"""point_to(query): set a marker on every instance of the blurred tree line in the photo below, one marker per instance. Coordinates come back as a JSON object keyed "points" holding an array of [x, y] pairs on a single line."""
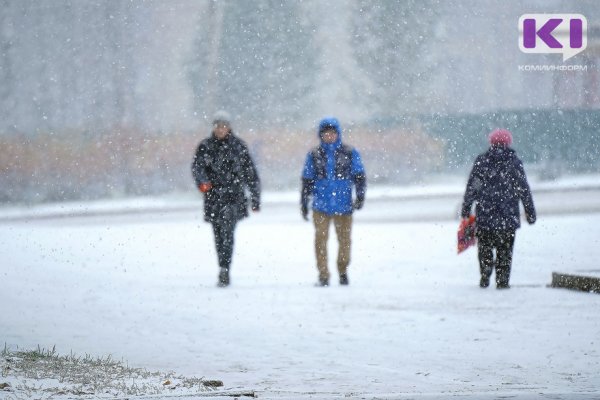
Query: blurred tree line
{"points": [[102, 66], [395, 151]]}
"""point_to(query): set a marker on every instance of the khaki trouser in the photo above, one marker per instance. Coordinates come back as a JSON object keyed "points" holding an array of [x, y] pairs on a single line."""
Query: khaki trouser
{"points": [[343, 227]]}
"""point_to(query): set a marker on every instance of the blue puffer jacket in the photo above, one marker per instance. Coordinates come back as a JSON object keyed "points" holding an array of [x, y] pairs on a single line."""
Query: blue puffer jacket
{"points": [[329, 173], [496, 184]]}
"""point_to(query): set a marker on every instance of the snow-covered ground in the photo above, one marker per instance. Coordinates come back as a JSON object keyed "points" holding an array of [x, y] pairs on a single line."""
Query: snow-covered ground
{"points": [[412, 323]]}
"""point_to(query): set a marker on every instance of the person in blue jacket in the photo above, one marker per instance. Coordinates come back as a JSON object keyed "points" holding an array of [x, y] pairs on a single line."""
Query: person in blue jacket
{"points": [[496, 184], [330, 172]]}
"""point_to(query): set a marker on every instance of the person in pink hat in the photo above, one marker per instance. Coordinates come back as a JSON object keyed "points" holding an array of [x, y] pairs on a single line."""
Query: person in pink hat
{"points": [[496, 185]]}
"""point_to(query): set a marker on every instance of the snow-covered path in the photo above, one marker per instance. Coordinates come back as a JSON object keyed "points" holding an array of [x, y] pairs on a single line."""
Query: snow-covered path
{"points": [[412, 322]]}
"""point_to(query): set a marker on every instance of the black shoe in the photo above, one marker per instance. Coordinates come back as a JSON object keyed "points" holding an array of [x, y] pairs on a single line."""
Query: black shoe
{"points": [[223, 278], [344, 279], [322, 283], [502, 286], [484, 282]]}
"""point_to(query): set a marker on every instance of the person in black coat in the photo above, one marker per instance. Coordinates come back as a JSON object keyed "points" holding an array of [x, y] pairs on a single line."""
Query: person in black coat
{"points": [[496, 184], [223, 169]]}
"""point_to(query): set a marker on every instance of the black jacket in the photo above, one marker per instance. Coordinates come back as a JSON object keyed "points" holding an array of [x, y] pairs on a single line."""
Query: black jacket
{"points": [[228, 166], [497, 183]]}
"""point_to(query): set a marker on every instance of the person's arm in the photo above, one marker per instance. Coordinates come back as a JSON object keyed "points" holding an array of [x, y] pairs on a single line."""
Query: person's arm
{"points": [[359, 177], [474, 185], [308, 185], [524, 192], [252, 179], [199, 169]]}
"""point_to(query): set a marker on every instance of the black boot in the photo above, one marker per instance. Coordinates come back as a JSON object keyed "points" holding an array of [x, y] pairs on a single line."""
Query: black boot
{"points": [[344, 279], [223, 277], [484, 281], [486, 273], [322, 282]]}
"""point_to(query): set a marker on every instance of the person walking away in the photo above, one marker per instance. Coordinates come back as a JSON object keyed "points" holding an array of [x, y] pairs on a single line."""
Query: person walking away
{"points": [[330, 172], [223, 170], [496, 185]]}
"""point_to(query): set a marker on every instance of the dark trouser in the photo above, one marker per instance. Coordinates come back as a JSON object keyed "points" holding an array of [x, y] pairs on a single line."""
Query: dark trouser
{"points": [[223, 227], [502, 242]]}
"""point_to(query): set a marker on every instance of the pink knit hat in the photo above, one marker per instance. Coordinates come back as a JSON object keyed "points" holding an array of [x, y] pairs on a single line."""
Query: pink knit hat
{"points": [[500, 137]]}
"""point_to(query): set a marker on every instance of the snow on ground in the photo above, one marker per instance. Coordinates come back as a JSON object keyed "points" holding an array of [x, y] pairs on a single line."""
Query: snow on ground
{"points": [[413, 321]]}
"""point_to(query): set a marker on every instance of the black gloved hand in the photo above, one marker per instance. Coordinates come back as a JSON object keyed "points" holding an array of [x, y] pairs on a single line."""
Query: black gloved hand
{"points": [[358, 203], [530, 219], [304, 210], [255, 205]]}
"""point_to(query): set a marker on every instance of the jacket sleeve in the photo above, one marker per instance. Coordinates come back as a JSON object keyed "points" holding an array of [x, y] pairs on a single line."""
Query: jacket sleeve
{"points": [[359, 177], [251, 178], [472, 191], [199, 165], [308, 181], [524, 192]]}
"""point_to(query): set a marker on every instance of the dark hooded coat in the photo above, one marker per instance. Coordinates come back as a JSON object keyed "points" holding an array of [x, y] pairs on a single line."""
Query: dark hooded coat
{"points": [[228, 166], [496, 184]]}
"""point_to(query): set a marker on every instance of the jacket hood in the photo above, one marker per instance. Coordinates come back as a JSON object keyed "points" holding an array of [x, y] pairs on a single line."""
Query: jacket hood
{"points": [[500, 152], [327, 123]]}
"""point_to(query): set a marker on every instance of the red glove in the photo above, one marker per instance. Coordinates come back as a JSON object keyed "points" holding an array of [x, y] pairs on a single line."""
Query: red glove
{"points": [[205, 187]]}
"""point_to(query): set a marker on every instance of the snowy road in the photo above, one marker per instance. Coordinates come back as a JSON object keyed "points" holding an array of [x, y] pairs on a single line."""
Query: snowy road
{"points": [[413, 322]]}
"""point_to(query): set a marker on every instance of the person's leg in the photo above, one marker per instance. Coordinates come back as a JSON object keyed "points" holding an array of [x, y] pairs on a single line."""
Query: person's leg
{"points": [[219, 244], [343, 229], [504, 251], [218, 234], [321, 222], [486, 256], [223, 228]]}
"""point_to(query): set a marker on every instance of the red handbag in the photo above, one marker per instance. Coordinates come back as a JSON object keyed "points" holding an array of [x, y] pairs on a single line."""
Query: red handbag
{"points": [[466, 234]]}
